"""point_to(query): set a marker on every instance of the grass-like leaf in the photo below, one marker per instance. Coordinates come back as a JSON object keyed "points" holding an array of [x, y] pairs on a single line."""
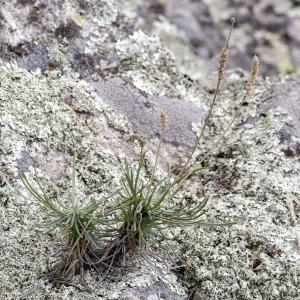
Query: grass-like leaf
{"points": [[143, 212], [76, 221]]}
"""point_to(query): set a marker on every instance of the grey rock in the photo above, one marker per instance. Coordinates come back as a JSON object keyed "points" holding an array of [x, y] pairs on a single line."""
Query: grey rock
{"points": [[90, 109], [286, 96], [144, 112], [293, 29]]}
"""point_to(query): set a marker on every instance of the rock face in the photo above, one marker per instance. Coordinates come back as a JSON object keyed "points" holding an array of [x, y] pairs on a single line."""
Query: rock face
{"points": [[269, 28], [79, 77]]}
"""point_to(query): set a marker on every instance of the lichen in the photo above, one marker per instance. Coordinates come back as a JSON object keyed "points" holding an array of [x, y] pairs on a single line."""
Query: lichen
{"points": [[257, 258], [148, 65], [47, 118]]}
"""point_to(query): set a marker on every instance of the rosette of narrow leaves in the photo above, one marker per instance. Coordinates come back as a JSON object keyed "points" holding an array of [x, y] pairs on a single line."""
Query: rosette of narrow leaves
{"points": [[143, 212], [77, 222]]}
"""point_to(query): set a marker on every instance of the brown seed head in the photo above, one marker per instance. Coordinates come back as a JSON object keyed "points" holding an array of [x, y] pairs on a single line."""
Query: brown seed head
{"points": [[224, 52], [163, 119], [222, 62], [253, 75]]}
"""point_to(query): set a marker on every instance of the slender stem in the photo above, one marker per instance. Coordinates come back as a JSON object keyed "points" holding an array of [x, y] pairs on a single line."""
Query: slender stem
{"points": [[204, 126], [157, 155], [180, 180], [220, 78], [156, 161], [74, 183], [217, 141], [236, 114]]}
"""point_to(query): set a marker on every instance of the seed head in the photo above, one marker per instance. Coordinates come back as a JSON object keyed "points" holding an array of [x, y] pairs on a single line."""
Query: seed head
{"points": [[224, 52], [222, 62], [253, 75], [163, 119]]}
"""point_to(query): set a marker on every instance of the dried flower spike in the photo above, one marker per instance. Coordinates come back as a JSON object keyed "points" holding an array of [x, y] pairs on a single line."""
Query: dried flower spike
{"points": [[253, 75], [222, 62], [163, 120], [224, 53]]}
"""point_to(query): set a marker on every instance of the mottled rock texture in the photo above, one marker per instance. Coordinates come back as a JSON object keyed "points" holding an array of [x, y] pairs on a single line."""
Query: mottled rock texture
{"points": [[80, 77], [269, 28]]}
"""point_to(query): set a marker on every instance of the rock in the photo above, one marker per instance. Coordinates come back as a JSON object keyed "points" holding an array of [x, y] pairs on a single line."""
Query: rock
{"points": [[286, 96], [294, 29], [205, 26], [83, 86], [233, 261], [144, 112]]}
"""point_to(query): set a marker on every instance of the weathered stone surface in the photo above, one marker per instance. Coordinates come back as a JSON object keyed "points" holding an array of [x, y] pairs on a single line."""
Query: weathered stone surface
{"points": [[257, 257], [204, 26], [38, 124], [285, 95], [144, 112], [87, 88]]}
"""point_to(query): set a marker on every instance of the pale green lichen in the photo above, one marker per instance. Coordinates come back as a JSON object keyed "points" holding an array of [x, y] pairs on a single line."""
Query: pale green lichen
{"points": [[99, 15], [51, 114], [257, 258], [148, 65], [49, 117], [175, 41]]}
